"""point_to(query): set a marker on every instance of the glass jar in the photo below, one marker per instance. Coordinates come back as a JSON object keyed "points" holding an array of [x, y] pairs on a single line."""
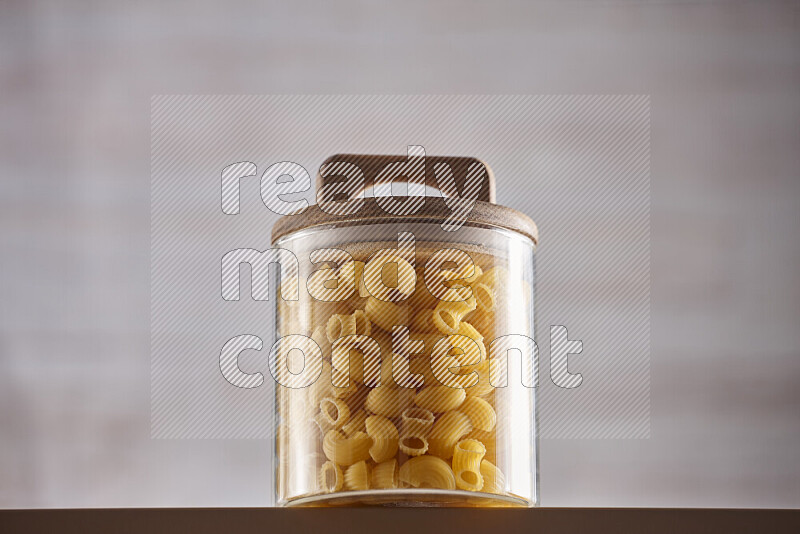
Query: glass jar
{"points": [[415, 380]]}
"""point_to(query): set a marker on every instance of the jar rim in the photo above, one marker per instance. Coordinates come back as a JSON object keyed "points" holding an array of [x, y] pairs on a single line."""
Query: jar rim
{"points": [[434, 210]]}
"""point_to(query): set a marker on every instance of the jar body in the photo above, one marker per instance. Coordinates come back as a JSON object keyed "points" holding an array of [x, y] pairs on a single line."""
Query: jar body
{"points": [[419, 388]]}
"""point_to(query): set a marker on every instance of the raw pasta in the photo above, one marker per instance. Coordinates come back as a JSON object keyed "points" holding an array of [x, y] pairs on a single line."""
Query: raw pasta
{"points": [[493, 479], [417, 421], [467, 457], [384, 431], [386, 314], [440, 399], [416, 425], [335, 412], [346, 450], [357, 476], [347, 325], [388, 277], [427, 472], [384, 475], [446, 432], [384, 436], [480, 413], [447, 315], [330, 477], [388, 401]]}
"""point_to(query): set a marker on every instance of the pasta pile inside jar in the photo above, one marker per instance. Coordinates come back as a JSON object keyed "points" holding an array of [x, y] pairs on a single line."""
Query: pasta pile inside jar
{"points": [[404, 397]]}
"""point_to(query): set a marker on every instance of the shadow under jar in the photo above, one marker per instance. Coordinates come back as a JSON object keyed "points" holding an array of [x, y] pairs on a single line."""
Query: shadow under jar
{"points": [[414, 382]]}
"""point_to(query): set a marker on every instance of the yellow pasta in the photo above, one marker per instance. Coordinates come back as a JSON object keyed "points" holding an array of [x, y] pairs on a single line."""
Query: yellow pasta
{"points": [[422, 298], [488, 440], [423, 321], [493, 479], [321, 339], [495, 277], [429, 339], [412, 444], [469, 351], [467, 457], [464, 276], [356, 423], [439, 399], [480, 413], [345, 450], [485, 297], [356, 477], [330, 477], [346, 325], [384, 436], [419, 409], [388, 277], [324, 385], [386, 314], [484, 385], [334, 411], [447, 315], [330, 284], [483, 321], [446, 432], [447, 369], [358, 358], [388, 401], [384, 475], [430, 368], [427, 472], [417, 421], [323, 424]]}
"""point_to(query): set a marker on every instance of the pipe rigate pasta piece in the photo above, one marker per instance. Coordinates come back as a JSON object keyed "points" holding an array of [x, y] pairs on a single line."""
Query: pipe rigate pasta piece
{"points": [[323, 423], [384, 436], [356, 477], [331, 478], [485, 298], [345, 450], [427, 472], [355, 423], [446, 432], [384, 475], [385, 315], [340, 325], [417, 420], [439, 399], [484, 385], [489, 441], [416, 423], [388, 401], [334, 411], [467, 457], [447, 316], [480, 413], [493, 479], [388, 277], [412, 444]]}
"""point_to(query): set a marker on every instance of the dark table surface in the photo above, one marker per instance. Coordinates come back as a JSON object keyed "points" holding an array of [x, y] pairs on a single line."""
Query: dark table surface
{"points": [[407, 521]]}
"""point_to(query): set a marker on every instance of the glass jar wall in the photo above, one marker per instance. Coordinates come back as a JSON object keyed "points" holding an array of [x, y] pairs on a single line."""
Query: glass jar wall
{"points": [[409, 406]]}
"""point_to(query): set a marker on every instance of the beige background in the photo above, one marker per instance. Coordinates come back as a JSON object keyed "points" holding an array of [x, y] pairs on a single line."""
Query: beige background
{"points": [[74, 213]]}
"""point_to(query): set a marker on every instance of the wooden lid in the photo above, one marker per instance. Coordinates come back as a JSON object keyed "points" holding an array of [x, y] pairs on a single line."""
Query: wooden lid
{"points": [[345, 177]]}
